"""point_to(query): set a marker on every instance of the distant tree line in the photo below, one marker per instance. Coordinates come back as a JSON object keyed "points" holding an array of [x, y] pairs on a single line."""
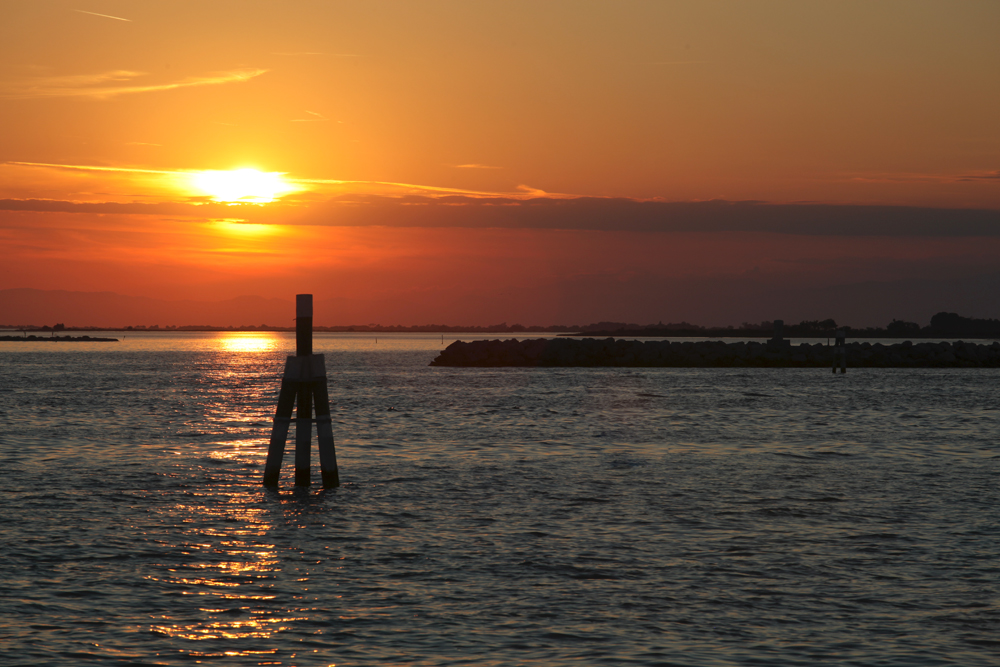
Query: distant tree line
{"points": [[942, 325]]}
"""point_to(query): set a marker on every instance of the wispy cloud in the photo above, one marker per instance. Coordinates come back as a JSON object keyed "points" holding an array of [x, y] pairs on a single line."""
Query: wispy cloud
{"points": [[389, 204], [391, 189], [107, 16], [545, 211], [316, 117], [474, 166], [906, 177], [435, 209], [315, 53], [681, 62], [534, 192], [105, 85], [385, 188], [83, 167], [982, 176]]}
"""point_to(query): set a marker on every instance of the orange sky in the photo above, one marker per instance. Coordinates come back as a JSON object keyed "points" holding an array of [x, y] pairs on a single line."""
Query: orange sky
{"points": [[433, 153]]}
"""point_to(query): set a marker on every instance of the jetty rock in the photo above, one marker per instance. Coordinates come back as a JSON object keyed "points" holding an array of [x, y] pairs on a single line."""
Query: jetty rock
{"points": [[55, 339], [566, 352]]}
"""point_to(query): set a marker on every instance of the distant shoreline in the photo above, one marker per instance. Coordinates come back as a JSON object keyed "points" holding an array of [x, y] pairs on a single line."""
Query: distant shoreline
{"points": [[943, 325], [617, 333], [55, 339]]}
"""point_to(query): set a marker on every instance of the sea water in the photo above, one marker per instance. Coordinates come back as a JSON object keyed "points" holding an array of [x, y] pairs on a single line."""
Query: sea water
{"points": [[513, 516]]}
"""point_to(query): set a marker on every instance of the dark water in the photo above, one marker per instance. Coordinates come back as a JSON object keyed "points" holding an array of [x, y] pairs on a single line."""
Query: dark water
{"points": [[494, 517]]}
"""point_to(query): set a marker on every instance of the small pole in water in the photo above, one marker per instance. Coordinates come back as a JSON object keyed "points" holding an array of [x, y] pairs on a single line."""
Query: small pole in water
{"points": [[840, 351], [304, 383]]}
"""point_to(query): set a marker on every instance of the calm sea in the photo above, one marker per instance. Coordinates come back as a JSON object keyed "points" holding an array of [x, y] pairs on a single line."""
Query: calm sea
{"points": [[493, 516]]}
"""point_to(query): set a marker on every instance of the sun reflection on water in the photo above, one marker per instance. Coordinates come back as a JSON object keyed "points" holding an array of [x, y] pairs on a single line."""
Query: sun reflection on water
{"points": [[248, 342], [231, 570]]}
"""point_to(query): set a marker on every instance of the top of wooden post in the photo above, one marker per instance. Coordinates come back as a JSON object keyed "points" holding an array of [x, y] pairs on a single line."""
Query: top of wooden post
{"points": [[303, 324], [303, 305]]}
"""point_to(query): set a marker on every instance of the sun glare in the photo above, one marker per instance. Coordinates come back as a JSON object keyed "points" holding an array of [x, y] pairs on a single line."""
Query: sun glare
{"points": [[242, 185], [248, 342]]}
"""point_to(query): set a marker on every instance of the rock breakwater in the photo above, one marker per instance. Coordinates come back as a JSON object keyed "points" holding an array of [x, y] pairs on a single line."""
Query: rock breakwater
{"points": [[55, 339], [698, 354]]}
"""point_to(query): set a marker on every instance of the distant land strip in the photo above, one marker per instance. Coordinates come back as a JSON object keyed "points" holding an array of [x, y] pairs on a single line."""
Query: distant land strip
{"points": [[56, 339], [570, 352], [942, 325]]}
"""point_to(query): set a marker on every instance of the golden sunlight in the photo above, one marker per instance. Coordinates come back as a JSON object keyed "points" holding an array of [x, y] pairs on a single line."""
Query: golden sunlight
{"points": [[249, 342], [242, 185]]}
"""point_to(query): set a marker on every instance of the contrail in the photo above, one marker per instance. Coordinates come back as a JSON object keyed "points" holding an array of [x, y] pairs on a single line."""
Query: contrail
{"points": [[82, 167], [107, 16]]}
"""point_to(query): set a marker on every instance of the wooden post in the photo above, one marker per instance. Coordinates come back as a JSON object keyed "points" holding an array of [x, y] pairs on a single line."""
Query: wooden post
{"points": [[303, 433], [303, 384], [303, 421], [840, 351], [303, 325], [282, 420], [324, 432]]}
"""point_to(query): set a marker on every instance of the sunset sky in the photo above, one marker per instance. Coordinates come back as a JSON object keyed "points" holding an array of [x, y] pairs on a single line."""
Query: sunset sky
{"points": [[474, 162]]}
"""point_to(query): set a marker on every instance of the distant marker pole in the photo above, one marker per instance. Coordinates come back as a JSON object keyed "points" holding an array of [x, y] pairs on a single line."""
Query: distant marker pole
{"points": [[304, 384], [840, 351]]}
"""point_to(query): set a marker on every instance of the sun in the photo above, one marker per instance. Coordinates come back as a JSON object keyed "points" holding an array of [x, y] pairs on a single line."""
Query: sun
{"points": [[242, 185]]}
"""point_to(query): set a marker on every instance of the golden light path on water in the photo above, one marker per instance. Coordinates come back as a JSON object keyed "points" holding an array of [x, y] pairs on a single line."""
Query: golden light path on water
{"points": [[226, 561], [248, 342], [223, 560]]}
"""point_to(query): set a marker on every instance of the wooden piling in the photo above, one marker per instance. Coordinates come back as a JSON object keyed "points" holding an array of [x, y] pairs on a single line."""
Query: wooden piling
{"points": [[279, 431], [303, 325], [324, 433], [303, 386], [840, 351], [303, 433]]}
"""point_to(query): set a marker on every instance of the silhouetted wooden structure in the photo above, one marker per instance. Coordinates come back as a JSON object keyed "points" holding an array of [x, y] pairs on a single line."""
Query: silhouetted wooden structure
{"points": [[840, 351], [303, 386]]}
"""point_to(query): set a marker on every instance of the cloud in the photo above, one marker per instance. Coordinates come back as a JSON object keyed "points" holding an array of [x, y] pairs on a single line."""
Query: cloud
{"points": [[315, 53], [534, 192], [474, 166], [82, 167], [95, 86], [210, 210], [444, 209], [341, 203], [107, 16], [389, 188], [906, 177], [983, 176], [317, 117], [620, 214], [316, 185]]}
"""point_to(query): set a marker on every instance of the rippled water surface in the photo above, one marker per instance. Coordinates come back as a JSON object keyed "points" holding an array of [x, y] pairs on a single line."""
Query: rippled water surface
{"points": [[493, 516]]}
